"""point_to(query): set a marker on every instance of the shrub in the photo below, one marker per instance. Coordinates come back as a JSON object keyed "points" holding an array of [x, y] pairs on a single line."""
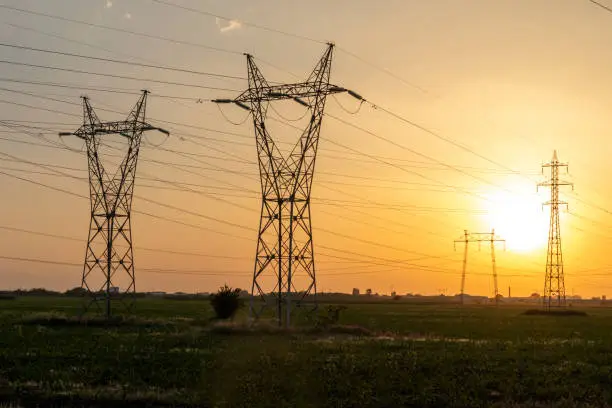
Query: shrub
{"points": [[226, 302], [328, 317]]}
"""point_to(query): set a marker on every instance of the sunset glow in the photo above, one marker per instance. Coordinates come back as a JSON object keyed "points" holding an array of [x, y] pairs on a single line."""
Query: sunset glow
{"points": [[454, 106], [520, 219]]}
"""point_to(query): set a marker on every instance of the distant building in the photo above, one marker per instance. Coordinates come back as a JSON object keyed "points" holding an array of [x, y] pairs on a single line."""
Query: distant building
{"points": [[113, 290], [369, 292], [355, 292]]}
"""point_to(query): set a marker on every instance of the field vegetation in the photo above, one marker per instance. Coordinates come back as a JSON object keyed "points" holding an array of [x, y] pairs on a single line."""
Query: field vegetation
{"points": [[174, 353]]}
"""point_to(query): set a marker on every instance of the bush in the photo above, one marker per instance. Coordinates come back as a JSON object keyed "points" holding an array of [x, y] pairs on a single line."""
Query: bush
{"points": [[76, 292], [226, 302], [329, 316]]}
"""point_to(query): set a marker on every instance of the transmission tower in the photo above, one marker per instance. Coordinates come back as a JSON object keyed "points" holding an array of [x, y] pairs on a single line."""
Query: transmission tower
{"points": [[284, 260], [554, 283], [109, 257], [479, 237]]}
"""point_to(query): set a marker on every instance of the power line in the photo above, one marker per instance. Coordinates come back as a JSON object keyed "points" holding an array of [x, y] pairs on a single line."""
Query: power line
{"points": [[601, 5], [298, 36], [160, 250], [37, 108], [155, 216], [437, 184], [384, 70], [428, 209], [179, 186], [440, 183], [77, 71], [246, 23], [191, 225], [121, 30], [443, 138], [115, 61]]}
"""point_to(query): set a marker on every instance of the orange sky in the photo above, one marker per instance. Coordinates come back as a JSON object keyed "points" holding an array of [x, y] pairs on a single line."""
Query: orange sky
{"points": [[511, 80]]}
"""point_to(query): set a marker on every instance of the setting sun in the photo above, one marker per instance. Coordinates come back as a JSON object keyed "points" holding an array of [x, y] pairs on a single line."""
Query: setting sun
{"points": [[519, 219]]}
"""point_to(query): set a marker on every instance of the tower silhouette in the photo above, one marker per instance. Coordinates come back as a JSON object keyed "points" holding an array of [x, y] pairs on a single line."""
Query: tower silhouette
{"points": [[480, 237], [554, 281], [284, 260], [109, 258]]}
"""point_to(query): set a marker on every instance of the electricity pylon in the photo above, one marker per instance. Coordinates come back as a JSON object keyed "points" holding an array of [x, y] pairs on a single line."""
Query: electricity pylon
{"points": [[480, 237], [554, 281], [284, 259], [109, 244]]}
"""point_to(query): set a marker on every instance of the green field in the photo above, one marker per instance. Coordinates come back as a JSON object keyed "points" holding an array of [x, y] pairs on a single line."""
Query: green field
{"points": [[379, 355]]}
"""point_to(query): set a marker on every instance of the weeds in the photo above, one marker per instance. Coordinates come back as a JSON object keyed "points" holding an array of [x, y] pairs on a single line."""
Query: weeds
{"points": [[373, 355]]}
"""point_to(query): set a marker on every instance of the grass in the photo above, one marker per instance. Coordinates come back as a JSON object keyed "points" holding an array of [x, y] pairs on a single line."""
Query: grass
{"points": [[387, 354]]}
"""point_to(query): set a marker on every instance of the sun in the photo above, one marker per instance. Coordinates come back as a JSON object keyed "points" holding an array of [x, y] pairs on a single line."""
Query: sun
{"points": [[519, 219]]}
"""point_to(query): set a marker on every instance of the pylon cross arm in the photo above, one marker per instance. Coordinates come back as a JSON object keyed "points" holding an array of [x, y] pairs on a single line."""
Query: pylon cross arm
{"points": [[122, 127], [108, 128], [288, 91]]}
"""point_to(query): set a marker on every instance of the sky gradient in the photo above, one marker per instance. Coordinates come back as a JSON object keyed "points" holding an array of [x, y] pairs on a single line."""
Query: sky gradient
{"points": [[508, 80]]}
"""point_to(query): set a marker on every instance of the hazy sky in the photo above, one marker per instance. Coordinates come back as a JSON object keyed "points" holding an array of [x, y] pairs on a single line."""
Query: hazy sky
{"points": [[511, 80]]}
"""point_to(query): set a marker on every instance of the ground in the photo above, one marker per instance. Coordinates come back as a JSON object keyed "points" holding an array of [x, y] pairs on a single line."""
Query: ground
{"points": [[379, 355]]}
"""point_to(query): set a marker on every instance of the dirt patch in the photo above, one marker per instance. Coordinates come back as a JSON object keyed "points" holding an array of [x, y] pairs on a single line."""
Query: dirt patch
{"points": [[561, 312]]}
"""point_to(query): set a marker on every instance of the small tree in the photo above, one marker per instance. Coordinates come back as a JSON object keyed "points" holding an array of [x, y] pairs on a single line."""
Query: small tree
{"points": [[226, 302], [77, 291]]}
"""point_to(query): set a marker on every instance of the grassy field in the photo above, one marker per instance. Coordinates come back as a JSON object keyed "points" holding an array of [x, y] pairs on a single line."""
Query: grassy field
{"points": [[380, 355]]}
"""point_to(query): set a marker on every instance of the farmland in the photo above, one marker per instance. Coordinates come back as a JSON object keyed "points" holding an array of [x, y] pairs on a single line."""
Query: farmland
{"points": [[387, 354]]}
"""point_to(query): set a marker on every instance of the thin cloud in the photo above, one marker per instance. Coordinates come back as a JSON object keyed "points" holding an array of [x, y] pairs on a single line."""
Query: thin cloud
{"points": [[127, 16], [109, 4], [227, 25]]}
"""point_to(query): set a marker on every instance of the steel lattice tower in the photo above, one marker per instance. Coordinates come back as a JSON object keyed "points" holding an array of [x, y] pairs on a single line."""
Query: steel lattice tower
{"points": [[109, 256], [284, 259], [479, 237], [554, 283]]}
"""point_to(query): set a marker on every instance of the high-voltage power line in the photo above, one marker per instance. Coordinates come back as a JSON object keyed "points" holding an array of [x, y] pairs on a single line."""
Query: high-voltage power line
{"points": [[109, 257], [284, 259], [554, 281]]}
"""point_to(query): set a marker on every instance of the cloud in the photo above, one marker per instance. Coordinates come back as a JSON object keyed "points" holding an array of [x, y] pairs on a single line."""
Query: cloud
{"points": [[109, 4], [127, 16], [227, 25]]}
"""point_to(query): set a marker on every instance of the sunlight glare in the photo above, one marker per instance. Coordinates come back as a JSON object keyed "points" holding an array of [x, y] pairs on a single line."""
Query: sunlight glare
{"points": [[519, 219]]}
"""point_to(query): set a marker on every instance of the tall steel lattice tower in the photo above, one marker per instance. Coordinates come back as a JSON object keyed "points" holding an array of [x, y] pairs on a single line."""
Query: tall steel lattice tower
{"points": [[109, 258], [480, 237], [554, 284], [284, 261]]}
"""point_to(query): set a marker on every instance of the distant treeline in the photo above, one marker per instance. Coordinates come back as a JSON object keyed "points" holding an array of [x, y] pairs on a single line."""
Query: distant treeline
{"points": [[321, 297]]}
